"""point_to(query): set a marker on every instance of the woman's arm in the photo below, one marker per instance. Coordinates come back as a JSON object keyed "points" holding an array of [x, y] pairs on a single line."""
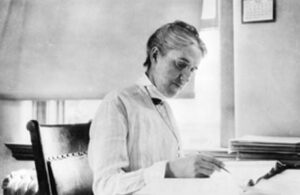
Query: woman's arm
{"points": [[108, 153]]}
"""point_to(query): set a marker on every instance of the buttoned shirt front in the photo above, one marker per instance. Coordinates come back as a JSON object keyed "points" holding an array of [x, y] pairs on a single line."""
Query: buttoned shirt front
{"points": [[131, 139]]}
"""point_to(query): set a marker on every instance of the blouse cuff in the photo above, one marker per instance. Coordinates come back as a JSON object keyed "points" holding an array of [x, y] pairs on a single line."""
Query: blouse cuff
{"points": [[155, 172]]}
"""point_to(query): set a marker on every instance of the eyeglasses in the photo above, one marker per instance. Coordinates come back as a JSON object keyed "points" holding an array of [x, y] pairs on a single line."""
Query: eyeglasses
{"points": [[181, 65]]}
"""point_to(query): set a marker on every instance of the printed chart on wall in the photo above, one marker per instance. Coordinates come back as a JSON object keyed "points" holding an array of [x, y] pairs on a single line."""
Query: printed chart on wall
{"points": [[258, 11]]}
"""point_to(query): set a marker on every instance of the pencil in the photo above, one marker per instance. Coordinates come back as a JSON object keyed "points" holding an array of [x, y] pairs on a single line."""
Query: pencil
{"points": [[225, 169]]}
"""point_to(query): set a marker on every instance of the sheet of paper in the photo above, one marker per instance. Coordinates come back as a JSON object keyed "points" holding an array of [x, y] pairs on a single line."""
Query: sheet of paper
{"points": [[243, 171], [233, 183], [211, 186]]}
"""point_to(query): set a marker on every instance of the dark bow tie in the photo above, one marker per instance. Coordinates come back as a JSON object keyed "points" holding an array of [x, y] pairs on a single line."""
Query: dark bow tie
{"points": [[156, 101]]}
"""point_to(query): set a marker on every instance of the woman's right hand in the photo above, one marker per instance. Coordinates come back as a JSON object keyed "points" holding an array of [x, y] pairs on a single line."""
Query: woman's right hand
{"points": [[196, 166]]}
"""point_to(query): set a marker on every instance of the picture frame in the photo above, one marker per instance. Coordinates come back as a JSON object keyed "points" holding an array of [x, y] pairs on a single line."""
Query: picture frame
{"points": [[254, 11]]}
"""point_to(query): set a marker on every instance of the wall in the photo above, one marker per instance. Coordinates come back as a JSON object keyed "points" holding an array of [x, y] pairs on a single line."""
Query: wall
{"points": [[267, 72], [226, 71], [73, 49], [87, 44]]}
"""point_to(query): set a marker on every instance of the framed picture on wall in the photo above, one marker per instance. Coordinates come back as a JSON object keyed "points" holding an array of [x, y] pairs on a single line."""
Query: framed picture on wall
{"points": [[258, 11]]}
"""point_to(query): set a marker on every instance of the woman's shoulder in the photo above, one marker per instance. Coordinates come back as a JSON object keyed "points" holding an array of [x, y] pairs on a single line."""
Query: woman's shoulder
{"points": [[127, 93]]}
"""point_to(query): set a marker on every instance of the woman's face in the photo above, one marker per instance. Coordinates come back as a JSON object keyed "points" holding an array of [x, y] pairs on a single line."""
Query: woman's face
{"points": [[171, 72]]}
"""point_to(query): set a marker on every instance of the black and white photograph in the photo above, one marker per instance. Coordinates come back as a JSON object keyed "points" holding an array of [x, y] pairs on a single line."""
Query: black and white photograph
{"points": [[149, 97]]}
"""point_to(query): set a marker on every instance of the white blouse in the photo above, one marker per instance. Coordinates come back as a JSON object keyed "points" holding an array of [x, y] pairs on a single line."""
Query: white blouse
{"points": [[131, 139]]}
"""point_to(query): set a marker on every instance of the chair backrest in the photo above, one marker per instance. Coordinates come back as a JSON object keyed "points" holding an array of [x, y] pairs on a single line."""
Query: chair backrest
{"points": [[60, 153]]}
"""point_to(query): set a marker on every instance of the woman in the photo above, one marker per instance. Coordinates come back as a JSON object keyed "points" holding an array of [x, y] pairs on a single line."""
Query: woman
{"points": [[134, 139]]}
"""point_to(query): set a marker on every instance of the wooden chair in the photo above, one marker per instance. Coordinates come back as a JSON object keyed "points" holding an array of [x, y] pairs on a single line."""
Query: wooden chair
{"points": [[60, 153]]}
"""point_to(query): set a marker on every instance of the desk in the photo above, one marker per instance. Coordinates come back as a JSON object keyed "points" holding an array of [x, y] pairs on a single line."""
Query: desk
{"points": [[286, 183]]}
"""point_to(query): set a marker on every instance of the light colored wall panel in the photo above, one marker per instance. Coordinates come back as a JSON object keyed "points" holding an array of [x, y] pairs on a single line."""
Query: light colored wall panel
{"points": [[79, 49], [267, 72]]}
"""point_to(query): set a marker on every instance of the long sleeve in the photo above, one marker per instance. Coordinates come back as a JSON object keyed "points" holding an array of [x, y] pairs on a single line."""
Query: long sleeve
{"points": [[109, 154]]}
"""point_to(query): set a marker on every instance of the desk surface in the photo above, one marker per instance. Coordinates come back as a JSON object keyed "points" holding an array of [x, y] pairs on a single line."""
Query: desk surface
{"points": [[286, 183]]}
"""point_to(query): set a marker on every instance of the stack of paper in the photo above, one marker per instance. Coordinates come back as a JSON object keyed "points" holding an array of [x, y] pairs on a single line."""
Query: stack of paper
{"points": [[266, 147]]}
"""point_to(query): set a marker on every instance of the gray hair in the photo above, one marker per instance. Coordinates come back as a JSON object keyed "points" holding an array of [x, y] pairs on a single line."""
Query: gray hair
{"points": [[173, 35]]}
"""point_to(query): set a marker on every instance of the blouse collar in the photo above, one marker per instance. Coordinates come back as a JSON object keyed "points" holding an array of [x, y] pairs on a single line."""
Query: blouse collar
{"points": [[150, 88]]}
